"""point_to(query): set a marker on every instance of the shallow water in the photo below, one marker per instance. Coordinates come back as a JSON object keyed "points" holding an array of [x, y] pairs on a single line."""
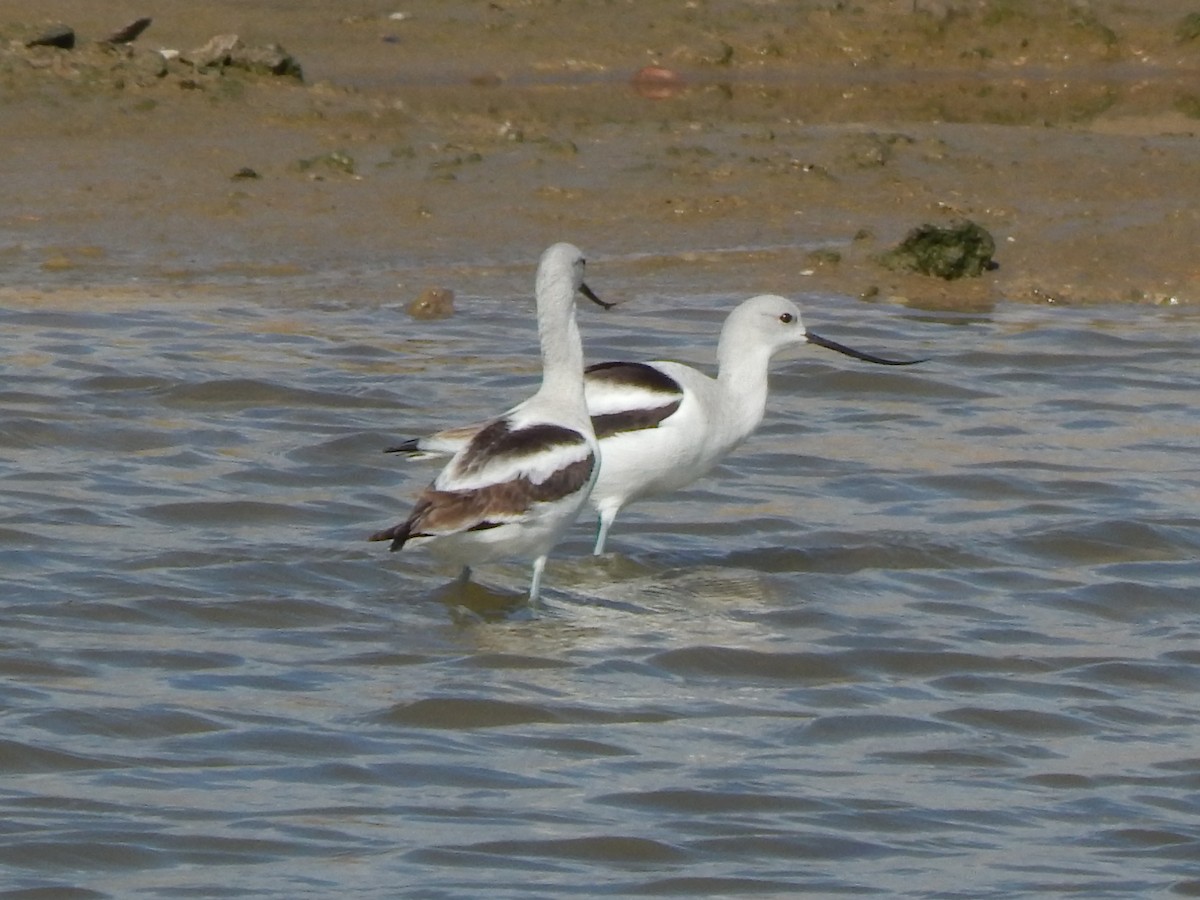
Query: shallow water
{"points": [[932, 632]]}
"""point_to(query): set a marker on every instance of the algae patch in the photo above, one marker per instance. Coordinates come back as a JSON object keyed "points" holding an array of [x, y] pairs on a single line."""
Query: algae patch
{"points": [[959, 250]]}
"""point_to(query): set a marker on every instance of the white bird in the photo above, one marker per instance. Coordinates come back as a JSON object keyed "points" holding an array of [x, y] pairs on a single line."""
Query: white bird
{"points": [[516, 482], [662, 425]]}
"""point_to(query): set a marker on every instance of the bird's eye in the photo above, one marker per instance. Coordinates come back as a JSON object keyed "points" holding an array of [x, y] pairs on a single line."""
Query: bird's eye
{"points": [[787, 318]]}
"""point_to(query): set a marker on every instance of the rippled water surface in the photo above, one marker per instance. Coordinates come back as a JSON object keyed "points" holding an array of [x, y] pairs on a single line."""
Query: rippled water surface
{"points": [[931, 632]]}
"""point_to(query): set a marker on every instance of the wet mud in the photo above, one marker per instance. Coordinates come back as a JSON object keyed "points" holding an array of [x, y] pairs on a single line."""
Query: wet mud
{"points": [[782, 147]]}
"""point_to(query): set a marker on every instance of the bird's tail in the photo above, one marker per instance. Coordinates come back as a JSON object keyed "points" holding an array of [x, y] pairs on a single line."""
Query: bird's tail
{"points": [[441, 443]]}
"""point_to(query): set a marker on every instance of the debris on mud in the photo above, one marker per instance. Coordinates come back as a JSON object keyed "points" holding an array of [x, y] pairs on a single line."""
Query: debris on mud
{"points": [[55, 52]]}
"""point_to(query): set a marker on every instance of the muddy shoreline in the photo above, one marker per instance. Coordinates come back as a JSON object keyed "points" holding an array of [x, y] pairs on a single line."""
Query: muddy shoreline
{"points": [[790, 151]]}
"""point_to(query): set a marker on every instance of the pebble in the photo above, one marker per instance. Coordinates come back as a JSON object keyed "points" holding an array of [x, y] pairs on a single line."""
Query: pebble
{"points": [[656, 82]]}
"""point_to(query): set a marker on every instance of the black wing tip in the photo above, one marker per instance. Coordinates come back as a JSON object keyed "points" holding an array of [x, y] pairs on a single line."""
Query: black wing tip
{"points": [[397, 534], [412, 445]]}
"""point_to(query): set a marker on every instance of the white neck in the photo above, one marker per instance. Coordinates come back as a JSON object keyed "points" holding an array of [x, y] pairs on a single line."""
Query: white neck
{"points": [[562, 349], [742, 383]]}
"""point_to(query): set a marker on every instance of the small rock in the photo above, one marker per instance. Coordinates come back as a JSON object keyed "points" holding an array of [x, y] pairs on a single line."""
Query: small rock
{"points": [[432, 303], [228, 51], [869, 150], [146, 65], [334, 161], [940, 10], [722, 57], [823, 256], [61, 36], [962, 249], [217, 53], [245, 173], [270, 59], [129, 33]]}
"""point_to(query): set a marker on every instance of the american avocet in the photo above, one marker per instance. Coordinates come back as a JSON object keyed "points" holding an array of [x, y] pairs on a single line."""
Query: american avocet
{"points": [[662, 425], [517, 482]]}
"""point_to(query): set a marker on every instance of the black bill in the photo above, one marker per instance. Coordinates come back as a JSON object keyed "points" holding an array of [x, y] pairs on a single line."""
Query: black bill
{"points": [[587, 292], [858, 354]]}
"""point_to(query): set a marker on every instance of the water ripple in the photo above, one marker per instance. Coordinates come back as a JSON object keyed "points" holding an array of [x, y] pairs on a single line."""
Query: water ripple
{"points": [[929, 633]]}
